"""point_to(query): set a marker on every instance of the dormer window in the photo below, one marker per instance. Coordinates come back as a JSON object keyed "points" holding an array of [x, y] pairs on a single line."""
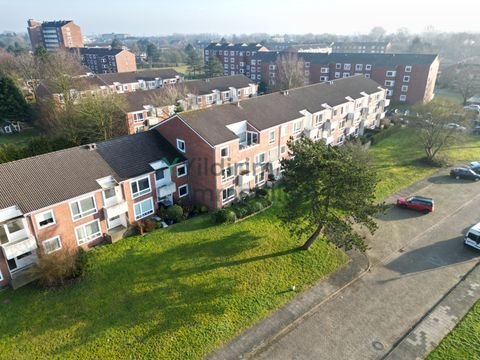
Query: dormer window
{"points": [[181, 145]]}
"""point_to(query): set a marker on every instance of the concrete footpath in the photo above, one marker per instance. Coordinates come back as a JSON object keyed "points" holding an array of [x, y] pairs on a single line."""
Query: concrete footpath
{"points": [[431, 329], [290, 315]]}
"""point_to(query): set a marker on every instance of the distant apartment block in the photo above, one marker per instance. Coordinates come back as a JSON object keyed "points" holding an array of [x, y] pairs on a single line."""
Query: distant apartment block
{"points": [[123, 82], [237, 59], [54, 35], [145, 109], [367, 47], [104, 61], [408, 78]]}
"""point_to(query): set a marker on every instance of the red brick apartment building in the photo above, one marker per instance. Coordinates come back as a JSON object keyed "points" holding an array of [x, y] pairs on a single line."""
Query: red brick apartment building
{"points": [[143, 110], [71, 198], [235, 58], [54, 35], [103, 60], [408, 78], [233, 148]]}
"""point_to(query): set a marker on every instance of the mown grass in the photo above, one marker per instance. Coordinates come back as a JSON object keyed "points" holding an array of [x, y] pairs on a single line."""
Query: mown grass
{"points": [[177, 293], [398, 157], [464, 341], [19, 138]]}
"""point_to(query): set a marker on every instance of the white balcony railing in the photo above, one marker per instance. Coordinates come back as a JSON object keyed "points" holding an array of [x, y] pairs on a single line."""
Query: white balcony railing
{"points": [[166, 190], [17, 248], [118, 209]]}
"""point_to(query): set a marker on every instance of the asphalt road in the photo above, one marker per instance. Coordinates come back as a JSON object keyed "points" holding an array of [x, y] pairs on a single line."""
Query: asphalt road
{"points": [[416, 259]]}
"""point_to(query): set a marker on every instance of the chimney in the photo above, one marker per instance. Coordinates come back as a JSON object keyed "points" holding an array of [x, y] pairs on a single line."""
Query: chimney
{"points": [[284, 92], [91, 147]]}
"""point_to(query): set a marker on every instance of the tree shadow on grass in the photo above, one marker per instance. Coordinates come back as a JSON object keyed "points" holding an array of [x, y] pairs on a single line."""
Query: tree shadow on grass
{"points": [[158, 293]]}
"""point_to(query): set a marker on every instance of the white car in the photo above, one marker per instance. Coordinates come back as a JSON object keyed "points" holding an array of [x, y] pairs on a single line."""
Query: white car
{"points": [[455, 126], [474, 164], [472, 237]]}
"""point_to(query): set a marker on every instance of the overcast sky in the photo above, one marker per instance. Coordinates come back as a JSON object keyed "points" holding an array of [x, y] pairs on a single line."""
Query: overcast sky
{"points": [[160, 17]]}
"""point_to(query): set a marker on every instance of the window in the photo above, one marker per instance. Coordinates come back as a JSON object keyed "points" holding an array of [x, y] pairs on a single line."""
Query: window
{"points": [[88, 232], [138, 117], [389, 83], [227, 173], [324, 70], [225, 66], [283, 130], [346, 75], [408, 68], [307, 64], [228, 194], [271, 137], [347, 66], [389, 92], [52, 245], [159, 174], [143, 208], [260, 158], [337, 75], [297, 127], [45, 219], [340, 139], [323, 78], [273, 154], [232, 60], [406, 78], [368, 67], [283, 149], [140, 186], [182, 191], [181, 145], [391, 73], [358, 67], [367, 76], [83, 207], [317, 119], [224, 152], [403, 97], [404, 88], [338, 66], [181, 170], [260, 178]]}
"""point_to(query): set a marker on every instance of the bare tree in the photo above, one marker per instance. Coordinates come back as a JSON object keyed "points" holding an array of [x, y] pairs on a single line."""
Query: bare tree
{"points": [[170, 95], [465, 78], [438, 124], [290, 72]]}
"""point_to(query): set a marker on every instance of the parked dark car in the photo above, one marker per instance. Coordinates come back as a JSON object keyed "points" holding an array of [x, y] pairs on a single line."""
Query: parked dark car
{"points": [[464, 173], [417, 203]]}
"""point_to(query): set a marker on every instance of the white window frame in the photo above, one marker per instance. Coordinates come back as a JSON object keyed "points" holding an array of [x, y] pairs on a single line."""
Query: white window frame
{"points": [[262, 181], [403, 98], [228, 198], [257, 161], [82, 213], [346, 75], [135, 119], [283, 130], [284, 147], [404, 88], [408, 68], [324, 70], [56, 238], [92, 238], [179, 142], [182, 166], [358, 67], [368, 67], [183, 187], [228, 151], [224, 172], [43, 213], [337, 75], [146, 213], [347, 67], [389, 83], [406, 78], [270, 139], [142, 192], [390, 73], [338, 66], [295, 130]]}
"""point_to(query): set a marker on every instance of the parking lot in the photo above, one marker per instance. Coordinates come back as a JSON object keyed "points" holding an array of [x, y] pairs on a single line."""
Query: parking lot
{"points": [[416, 259]]}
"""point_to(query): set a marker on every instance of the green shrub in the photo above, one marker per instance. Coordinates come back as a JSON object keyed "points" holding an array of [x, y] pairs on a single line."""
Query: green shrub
{"points": [[203, 209], [224, 216], [175, 213], [241, 211], [266, 202], [257, 206], [261, 192]]}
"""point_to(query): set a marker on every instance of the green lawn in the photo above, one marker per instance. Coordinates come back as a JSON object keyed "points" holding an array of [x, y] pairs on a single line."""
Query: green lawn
{"points": [[397, 158], [19, 138], [464, 341], [177, 293]]}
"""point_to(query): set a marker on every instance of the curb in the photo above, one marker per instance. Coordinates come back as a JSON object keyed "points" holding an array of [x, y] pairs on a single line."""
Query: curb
{"points": [[279, 323], [427, 333]]}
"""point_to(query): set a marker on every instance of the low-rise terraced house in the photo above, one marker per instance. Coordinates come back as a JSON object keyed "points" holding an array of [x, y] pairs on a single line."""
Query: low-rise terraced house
{"points": [[74, 197]]}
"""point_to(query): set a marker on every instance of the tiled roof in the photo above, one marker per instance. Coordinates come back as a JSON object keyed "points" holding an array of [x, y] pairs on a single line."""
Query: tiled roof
{"points": [[79, 83], [266, 111], [239, 47], [130, 155], [360, 58], [41, 181], [136, 100], [56, 23], [135, 76], [98, 51]]}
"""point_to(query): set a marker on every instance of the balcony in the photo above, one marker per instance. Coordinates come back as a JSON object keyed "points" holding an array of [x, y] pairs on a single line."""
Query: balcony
{"points": [[151, 121], [19, 247], [116, 209], [386, 102], [166, 189]]}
